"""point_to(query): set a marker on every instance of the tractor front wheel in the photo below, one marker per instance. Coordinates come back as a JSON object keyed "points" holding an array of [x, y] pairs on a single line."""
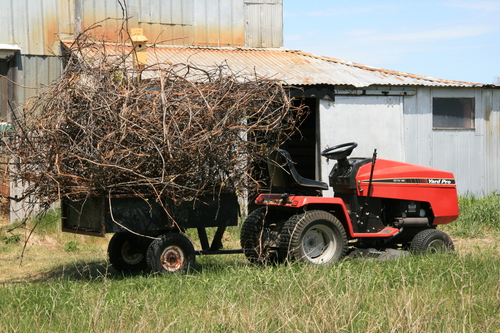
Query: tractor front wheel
{"points": [[431, 241], [260, 236], [171, 253], [315, 237]]}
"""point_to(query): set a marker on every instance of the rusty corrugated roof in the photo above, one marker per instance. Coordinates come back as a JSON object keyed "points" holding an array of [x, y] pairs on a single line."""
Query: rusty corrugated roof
{"points": [[293, 67]]}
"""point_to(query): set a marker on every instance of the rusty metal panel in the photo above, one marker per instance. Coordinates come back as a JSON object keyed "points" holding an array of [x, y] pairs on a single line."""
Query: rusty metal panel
{"points": [[218, 23], [35, 25], [293, 67], [163, 22]]}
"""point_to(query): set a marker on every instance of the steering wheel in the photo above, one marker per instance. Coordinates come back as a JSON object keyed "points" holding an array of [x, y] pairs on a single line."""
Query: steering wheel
{"points": [[340, 151]]}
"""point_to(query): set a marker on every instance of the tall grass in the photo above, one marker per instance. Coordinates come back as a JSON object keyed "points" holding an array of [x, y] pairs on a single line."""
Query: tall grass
{"points": [[478, 217], [439, 293], [458, 292]]}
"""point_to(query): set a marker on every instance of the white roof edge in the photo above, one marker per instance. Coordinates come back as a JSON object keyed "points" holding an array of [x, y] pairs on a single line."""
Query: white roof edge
{"points": [[12, 47]]}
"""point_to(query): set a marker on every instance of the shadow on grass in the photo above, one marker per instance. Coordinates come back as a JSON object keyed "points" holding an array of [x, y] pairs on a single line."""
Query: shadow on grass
{"points": [[95, 270], [76, 271]]}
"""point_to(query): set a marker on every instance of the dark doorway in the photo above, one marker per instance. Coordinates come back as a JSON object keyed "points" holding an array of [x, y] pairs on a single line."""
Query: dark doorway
{"points": [[302, 146], [6, 97]]}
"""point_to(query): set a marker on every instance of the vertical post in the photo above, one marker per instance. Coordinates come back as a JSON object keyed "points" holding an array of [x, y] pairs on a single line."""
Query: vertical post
{"points": [[140, 50]]}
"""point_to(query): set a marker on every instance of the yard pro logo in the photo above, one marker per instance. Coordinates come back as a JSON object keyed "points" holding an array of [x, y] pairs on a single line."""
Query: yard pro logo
{"points": [[441, 181], [416, 181]]}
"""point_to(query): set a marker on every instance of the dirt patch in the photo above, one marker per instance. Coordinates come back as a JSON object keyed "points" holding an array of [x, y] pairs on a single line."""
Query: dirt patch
{"points": [[476, 245]]}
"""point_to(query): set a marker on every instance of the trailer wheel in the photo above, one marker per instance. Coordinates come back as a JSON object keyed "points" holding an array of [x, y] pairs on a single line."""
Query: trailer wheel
{"points": [[315, 237], [431, 241], [171, 253], [127, 252], [260, 237]]}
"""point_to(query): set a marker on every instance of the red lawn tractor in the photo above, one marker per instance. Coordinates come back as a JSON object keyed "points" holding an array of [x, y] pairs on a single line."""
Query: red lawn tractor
{"points": [[377, 204]]}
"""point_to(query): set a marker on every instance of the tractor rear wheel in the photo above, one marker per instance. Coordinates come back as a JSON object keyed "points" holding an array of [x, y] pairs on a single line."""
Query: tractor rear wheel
{"points": [[431, 241], [260, 237], [127, 252], [315, 237], [171, 253]]}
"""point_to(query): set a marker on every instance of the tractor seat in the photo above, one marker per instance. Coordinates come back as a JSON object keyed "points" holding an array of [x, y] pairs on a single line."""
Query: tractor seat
{"points": [[283, 174]]}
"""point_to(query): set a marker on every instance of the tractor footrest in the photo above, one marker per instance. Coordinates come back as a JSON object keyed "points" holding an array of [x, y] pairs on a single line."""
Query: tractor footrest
{"points": [[386, 232]]}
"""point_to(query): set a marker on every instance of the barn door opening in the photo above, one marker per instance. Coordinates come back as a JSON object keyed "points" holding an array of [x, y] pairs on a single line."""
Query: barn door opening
{"points": [[302, 146], [5, 98]]}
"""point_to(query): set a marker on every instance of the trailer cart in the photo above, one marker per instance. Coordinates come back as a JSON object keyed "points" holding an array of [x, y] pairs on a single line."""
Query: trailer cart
{"points": [[146, 235]]}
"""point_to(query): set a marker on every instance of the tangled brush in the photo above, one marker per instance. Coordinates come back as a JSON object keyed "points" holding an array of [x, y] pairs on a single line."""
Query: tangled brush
{"points": [[189, 131]]}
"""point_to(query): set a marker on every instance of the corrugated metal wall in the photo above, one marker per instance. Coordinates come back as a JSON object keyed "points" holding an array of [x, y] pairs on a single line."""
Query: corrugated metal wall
{"points": [[472, 155], [35, 72], [38, 25], [491, 102], [264, 23]]}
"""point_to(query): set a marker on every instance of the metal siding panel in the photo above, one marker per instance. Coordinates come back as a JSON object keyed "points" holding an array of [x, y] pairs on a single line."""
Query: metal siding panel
{"points": [[54, 69], [182, 24], [188, 10], [212, 12], [149, 17], [200, 22], [32, 24], [492, 105], [50, 27], [21, 28], [264, 26], [7, 31], [252, 25], [34, 72], [66, 14], [462, 151], [276, 22], [381, 127], [231, 23], [166, 17], [425, 144], [167, 22], [107, 14], [238, 23]]}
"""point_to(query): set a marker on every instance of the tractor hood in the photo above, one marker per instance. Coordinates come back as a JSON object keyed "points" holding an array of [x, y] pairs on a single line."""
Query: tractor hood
{"points": [[392, 172], [398, 180]]}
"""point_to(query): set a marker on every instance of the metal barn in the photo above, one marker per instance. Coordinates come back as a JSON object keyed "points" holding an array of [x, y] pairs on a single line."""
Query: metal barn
{"points": [[449, 125]]}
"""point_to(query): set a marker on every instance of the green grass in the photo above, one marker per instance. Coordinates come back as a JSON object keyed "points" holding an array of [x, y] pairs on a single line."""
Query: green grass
{"points": [[439, 293], [77, 292], [478, 217]]}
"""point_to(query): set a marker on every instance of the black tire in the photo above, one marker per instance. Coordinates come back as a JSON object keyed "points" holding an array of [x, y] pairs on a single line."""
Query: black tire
{"points": [[260, 237], [127, 252], [431, 241], [315, 237], [171, 253]]}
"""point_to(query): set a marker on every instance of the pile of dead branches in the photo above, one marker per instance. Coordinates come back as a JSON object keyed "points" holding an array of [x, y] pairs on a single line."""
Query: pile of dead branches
{"points": [[190, 131]]}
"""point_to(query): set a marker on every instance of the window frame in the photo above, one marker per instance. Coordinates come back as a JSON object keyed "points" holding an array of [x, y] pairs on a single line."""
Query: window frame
{"points": [[468, 116]]}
